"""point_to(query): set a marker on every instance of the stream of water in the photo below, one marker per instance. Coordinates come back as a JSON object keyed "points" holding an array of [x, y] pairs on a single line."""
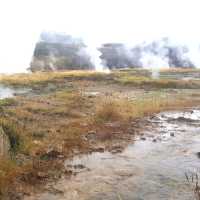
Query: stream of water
{"points": [[150, 169]]}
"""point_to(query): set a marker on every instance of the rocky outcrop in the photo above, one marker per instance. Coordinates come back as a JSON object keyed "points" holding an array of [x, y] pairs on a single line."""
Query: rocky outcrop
{"points": [[57, 51], [158, 53], [4, 143], [116, 55]]}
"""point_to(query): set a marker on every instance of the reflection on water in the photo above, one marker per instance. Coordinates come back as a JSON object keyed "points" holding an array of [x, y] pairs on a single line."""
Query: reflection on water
{"points": [[150, 169]]}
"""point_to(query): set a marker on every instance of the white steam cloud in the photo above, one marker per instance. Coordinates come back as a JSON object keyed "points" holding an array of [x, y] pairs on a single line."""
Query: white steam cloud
{"points": [[126, 21], [95, 58]]}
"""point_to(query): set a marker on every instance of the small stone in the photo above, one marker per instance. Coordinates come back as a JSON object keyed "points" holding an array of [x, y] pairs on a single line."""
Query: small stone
{"points": [[55, 191], [116, 149], [143, 138], [42, 175], [61, 156], [172, 134], [52, 154], [91, 132], [154, 140], [68, 172], [198, 154], [100, 149], [79, 166], [91, 135]]}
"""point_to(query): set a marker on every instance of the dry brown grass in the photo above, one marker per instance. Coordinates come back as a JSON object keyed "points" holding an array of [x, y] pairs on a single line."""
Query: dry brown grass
{"points": [[134, 77], [149, 83], [8, 171], [110, 109], [179, 70], [60, 120], [40, 78], [121, 109], [14, 133]]}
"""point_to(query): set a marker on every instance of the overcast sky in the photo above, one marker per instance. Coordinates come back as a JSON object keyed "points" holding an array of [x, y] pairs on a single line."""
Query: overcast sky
{"points": [[96, 21]]}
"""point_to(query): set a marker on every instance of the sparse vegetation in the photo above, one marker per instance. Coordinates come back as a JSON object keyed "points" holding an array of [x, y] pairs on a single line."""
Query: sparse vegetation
{"points": [[8, 171], [148, 83], [111, 109], [193, 181], [48, 126], [7, 102], [42, 78], [135, 77], [13, 132]]}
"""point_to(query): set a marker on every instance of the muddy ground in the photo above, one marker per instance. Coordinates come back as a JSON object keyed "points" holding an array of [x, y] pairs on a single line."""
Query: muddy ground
{"points": [[69, 130], [163, 163]]}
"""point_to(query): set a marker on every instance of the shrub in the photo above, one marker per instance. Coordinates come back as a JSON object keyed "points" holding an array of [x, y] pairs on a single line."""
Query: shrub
{"points": [[13, 133]]}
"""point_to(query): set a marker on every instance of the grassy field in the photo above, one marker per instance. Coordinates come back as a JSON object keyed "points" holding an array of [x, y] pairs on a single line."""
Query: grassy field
{"points": [[137, 78], [67, 113]]}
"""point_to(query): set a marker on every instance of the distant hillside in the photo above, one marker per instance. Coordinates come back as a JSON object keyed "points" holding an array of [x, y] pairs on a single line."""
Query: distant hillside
{"points": [[57, 51]]}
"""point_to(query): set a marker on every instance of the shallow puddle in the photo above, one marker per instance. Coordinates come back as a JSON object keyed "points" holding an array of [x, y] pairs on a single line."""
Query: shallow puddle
{"points": [[7, 92], [150, 169]]}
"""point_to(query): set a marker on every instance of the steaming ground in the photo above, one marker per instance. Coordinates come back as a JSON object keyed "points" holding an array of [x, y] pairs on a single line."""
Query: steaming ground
{"points": [[59, 51]]}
